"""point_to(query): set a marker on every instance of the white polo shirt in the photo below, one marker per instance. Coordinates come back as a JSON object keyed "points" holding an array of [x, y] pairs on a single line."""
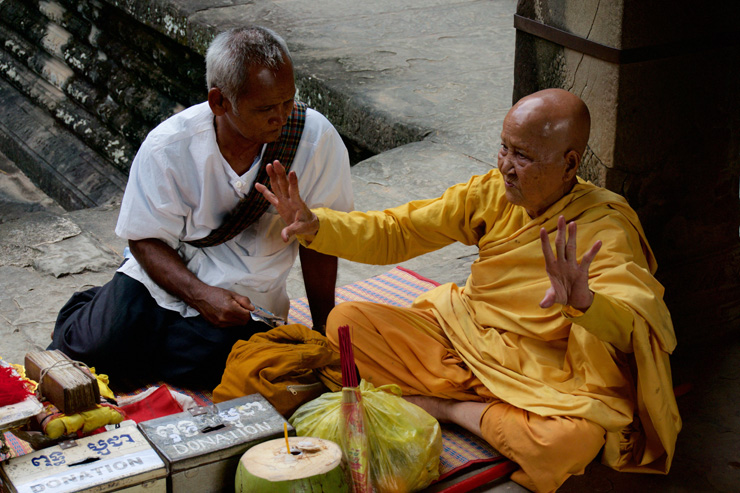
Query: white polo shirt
{"points": [[180, 188]]}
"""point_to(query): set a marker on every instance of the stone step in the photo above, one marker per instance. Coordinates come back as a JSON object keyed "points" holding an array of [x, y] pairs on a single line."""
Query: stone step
{"points": [[59, 163], [107, 93]]}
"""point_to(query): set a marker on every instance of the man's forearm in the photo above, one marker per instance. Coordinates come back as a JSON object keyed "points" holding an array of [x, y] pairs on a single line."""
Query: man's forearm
{"points": [[165, 266], [320, 279]]}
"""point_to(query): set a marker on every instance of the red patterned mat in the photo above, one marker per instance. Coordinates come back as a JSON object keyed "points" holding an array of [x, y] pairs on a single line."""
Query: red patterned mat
{"points": [[462, 449], [16, 446]]}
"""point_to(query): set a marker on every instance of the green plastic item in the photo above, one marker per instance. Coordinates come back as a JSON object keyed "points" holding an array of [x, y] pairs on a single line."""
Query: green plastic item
{"points": [[405, 441]]}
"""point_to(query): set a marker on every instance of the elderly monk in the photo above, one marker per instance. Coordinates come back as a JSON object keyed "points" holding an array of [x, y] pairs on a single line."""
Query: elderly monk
{"points": [[548, 359]]}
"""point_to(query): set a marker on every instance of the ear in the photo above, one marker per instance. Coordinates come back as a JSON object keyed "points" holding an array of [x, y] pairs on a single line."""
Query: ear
{"points": [[218, 103], [572, 162]]}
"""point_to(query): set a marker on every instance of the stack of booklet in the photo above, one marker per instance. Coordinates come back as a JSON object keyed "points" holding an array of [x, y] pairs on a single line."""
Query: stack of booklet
{"points": [[71, 387]]}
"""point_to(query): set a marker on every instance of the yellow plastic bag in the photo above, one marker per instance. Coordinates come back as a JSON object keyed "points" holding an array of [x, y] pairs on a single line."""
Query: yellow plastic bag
{"points": [[405, 441]]}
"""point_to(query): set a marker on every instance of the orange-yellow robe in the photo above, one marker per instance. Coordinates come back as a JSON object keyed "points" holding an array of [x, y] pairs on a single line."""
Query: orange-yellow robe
{"points": [[609, 365]]}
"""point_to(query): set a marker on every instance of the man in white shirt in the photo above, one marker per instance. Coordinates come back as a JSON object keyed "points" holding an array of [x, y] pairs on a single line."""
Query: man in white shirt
{"points": [[174, 309]]}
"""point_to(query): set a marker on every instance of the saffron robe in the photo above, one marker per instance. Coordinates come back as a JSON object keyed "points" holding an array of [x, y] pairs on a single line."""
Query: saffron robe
{"points": [[608, 365]]}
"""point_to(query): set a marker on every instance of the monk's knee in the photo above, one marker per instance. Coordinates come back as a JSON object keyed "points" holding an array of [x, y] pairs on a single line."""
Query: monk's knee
{"points": [[548, 449], [342, 314]]}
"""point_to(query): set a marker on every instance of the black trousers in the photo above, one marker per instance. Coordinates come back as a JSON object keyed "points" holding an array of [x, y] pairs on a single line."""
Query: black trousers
{"points": [[120, 330]]}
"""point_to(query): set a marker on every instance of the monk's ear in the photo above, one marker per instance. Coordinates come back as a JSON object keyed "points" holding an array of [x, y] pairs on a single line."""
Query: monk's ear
{"points": [[217, 101], [572, 162]]}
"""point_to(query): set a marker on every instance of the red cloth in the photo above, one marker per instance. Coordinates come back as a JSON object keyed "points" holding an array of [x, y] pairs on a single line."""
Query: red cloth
{"points": [[12, 387], [159, 403]]}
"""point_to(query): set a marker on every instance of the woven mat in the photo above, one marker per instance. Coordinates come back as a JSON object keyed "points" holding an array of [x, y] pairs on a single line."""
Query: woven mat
{"points": [[398, 287], [17, 446]]}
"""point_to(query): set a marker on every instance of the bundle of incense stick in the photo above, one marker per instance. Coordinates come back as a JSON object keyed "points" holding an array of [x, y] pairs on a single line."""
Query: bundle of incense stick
{"points": [[354, 438], [347, 358], [63, 382]]}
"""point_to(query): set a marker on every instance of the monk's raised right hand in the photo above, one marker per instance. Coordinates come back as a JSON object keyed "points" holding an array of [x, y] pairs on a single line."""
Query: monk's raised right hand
{"points": [[285, 197], [568, 278]]}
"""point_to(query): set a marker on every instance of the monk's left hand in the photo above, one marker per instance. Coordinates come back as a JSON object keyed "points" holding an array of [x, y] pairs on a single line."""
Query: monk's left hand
{"points": [[286, 198], [568, 278]]}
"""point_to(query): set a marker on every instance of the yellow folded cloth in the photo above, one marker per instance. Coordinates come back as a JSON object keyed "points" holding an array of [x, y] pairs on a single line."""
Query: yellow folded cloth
{"points": [[56, 424], [103, 382]]}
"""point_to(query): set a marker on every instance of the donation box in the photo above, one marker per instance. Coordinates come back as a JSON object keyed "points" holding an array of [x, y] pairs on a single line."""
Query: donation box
{"points": [[120, 459], [202, 446]]}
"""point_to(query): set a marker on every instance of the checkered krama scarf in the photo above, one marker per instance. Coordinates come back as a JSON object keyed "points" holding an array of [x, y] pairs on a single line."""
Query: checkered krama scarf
{"points": [[253, 205]]}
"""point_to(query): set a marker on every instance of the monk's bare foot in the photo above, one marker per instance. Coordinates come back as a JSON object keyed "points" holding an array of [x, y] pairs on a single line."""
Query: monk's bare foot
{"points": [[433, 405], [463, 413]]}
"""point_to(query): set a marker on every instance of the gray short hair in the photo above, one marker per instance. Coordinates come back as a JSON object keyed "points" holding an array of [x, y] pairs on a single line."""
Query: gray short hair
{"points": [[233, 53]]}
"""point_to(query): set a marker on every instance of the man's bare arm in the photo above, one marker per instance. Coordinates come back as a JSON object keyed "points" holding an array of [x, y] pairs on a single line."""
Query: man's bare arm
{"points": [[221, 307], [320, 279]]}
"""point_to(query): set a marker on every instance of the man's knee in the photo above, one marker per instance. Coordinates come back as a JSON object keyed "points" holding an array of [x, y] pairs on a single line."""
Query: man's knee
{"points": [[104, 321], [73, 324]]}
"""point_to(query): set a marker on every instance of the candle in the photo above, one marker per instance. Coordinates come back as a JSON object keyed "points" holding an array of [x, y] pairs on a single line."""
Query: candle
{"points": [[287, 443]]}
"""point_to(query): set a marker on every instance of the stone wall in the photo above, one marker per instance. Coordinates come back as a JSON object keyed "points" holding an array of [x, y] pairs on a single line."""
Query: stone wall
{"points": [[104, 78], [665, 134]]}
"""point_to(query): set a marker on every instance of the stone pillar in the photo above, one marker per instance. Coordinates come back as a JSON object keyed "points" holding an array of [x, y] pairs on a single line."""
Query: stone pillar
{"points": [[664, 94]]}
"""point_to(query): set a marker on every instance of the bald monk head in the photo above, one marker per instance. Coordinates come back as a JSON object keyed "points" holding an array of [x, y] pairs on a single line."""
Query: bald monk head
{"points": [[543, 140]]}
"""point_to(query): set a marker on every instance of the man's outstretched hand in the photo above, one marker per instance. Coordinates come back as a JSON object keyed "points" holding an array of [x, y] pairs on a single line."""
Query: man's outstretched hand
{"points": [[568, 279], [284, 195]]}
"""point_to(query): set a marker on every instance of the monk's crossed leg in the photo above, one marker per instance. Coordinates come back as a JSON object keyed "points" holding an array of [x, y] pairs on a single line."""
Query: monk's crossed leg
{"points": [[406, 346]]}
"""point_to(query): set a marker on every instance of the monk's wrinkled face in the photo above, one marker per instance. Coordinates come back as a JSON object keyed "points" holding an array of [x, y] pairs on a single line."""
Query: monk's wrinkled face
{"points": [[532, 159]]}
